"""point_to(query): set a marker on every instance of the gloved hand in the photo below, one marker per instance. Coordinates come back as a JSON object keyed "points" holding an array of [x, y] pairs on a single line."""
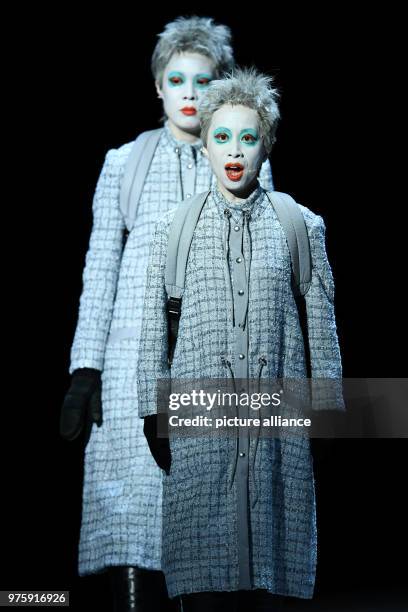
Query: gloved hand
{"points": [[159, 447], [82, 405]]}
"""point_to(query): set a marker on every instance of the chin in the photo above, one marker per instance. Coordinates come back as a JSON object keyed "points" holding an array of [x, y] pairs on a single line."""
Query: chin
{"points": [[240, 189], [190, 124], [236, 185], [231, 187]]}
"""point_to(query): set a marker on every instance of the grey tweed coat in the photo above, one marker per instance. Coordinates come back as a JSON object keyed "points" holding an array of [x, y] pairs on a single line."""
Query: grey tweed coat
{"points": [[252, 526], [122, 491]]}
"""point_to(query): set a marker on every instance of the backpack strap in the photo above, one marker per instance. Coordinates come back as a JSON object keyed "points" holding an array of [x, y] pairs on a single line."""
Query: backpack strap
{"points": [[136, 169], [291, 219], [181, 234]]}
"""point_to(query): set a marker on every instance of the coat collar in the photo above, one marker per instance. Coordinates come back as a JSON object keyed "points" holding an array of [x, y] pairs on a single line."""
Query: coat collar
{"points": [[255, 204], [172, 142]]}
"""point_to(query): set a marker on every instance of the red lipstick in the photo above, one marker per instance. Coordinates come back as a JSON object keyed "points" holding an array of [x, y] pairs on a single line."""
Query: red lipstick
{"points": [[189, 111], [234, 171]]}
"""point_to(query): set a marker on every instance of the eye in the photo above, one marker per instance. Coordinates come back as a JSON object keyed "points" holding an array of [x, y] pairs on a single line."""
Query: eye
{"points": [[248, 138], [175, 80], [221, 136], [203, 81]]}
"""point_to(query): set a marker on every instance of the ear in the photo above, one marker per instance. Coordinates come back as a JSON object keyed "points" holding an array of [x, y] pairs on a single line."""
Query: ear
{"points": [[205, 152], [158, 89]]}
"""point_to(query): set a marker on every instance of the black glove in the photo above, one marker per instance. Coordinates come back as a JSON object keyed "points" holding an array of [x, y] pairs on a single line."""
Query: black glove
{"points": [[159, 447], [82, 405]]}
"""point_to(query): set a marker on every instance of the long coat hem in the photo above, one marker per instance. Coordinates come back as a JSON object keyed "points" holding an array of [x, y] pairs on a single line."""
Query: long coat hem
{"points": [[306, 593], [112, 559]]}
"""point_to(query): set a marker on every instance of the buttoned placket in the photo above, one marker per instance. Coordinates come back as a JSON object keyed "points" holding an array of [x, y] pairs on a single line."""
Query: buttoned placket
{"points": [[237, 266], [187, 160], [241, 343]]}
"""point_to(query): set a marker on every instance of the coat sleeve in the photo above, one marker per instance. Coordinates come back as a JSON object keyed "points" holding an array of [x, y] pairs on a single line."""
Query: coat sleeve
{"points": [[102, 263], [323, 341], [265, 176], [152, 363]]}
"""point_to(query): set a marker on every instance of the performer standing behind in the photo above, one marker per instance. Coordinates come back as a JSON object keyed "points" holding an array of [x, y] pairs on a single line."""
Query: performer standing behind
{"points": [[121, 514]]}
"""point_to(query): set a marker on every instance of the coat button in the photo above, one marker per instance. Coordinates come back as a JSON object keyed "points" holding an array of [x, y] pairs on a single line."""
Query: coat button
{"points": [[188, 195], [190, 166], [238, 259], [241, 292], [241, 356], [236, 228], [242, 454]]}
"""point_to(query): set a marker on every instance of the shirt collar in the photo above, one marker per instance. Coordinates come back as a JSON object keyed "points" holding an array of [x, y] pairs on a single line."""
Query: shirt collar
{"points": [[174, 143], [253, 204]]}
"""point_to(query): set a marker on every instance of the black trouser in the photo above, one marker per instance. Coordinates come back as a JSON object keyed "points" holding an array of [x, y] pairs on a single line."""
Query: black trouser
{"points": [[257, 600], [140, 590]]}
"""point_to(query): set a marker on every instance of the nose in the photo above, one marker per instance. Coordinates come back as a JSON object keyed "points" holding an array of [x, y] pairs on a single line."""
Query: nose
{"points": [[235, 149], [189, 93]]}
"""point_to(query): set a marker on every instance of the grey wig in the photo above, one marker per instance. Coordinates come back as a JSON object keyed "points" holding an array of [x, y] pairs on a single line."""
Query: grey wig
{"points": [[194, 35], [247, 87]]}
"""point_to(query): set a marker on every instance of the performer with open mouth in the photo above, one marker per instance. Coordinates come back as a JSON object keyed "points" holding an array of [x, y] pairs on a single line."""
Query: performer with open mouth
{"points": [[239, 520]]}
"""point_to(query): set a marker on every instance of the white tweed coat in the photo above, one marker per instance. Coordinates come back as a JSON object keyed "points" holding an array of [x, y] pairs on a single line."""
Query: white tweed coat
{"points": [[252, 526], [121, 513]]}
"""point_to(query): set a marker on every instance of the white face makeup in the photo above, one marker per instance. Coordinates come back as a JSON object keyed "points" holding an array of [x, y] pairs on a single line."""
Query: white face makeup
{"points": [[185, 79], [235, 150]]}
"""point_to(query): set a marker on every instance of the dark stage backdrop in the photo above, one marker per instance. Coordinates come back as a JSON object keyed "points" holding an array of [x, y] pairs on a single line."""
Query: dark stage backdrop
{"points": [[89, 88]]}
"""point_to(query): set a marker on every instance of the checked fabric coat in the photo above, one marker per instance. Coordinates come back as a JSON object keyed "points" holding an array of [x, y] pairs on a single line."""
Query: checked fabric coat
{"points": [[242, 520], [122, 492]]}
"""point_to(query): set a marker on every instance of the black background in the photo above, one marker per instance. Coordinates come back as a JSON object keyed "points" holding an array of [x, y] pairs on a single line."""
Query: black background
{"points": [[86, 87]]}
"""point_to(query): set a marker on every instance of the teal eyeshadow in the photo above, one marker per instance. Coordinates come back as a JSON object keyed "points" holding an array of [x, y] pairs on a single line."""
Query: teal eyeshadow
{"points": [[252, 133], [180, 75], [223, 131], [202, 76]]}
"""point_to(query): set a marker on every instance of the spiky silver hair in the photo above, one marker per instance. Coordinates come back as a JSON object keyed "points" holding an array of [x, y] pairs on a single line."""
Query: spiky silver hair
{"points": [[194, 35], [248, 87]]}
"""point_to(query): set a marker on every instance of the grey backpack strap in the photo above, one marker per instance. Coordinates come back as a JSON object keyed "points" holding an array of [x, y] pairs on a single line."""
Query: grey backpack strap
{"points": [[180, 237], [291, 218], [294, 226], [136, 169]]}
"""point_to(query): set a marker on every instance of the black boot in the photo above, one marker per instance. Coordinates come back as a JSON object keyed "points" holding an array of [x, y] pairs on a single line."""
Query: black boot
{"points": [[139, 590]]}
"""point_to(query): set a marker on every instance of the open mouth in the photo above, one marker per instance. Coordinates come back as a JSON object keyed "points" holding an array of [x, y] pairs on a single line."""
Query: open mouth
{"points": [[189, 111], [234, 171]]}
